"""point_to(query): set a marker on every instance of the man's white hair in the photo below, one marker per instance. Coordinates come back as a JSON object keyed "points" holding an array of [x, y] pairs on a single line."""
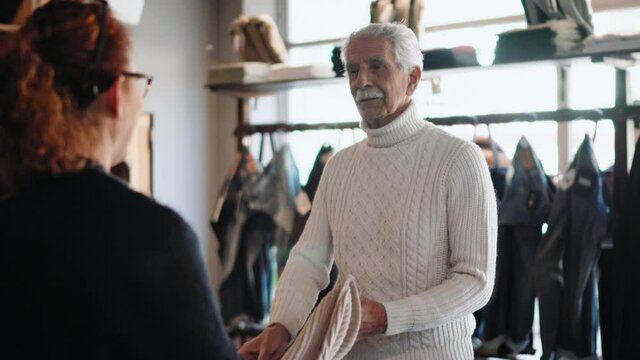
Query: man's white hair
{"points": [[405, 43]]}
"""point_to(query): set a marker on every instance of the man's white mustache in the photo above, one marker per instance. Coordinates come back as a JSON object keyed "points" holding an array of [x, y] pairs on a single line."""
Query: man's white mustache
{"points": [[369, 93]]}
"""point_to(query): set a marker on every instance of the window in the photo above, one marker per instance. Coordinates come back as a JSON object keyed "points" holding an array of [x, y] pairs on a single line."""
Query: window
{"points": [[602, 146], [482, 38], [327, 19], [499, 89], [617, 21], [445, 12]]}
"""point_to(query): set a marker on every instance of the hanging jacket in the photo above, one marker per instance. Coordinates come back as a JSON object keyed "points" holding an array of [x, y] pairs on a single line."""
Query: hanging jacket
{"points": [[498, 163], [229, 214], [528, 194], [606, 277], [244, 255], [255, 218], [525, 207], [566, 261], [247, 291], [629, 242], [325, 152], [275, 193]]}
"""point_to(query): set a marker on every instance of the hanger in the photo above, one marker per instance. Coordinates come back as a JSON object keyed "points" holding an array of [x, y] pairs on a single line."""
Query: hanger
{"points": [[495, 153], [595, 131], [474, 121], [261, 151]]}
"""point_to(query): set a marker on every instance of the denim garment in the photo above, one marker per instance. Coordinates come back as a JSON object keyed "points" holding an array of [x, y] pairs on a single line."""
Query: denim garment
{"points": [[528, 194], [566, 261], [525, 207], [274, 193], [497, 162], [493, 154]]}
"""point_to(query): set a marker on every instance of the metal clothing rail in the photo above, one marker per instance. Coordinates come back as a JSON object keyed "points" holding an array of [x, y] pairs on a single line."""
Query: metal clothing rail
{"points": [[562, 115]]}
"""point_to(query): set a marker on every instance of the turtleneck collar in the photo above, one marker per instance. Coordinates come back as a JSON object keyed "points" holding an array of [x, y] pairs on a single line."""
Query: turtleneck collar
{"points": [[401, 128]]}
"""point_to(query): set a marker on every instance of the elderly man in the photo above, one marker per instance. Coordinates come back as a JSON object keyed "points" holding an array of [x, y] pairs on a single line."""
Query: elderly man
{"points": [[409, 212]]}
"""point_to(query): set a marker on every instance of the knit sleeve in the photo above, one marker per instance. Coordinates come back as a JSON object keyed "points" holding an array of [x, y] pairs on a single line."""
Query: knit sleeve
{"points": [[307, 269], [472, 235]]}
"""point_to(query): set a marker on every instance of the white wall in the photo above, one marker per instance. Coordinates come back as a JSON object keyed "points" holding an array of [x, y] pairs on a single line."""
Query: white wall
{"points": [[177, 41], [170, 42]]}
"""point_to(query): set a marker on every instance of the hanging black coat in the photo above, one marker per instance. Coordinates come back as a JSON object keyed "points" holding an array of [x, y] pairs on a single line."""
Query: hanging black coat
{"points": [[629, 346], [566, 261], [498, 165]]}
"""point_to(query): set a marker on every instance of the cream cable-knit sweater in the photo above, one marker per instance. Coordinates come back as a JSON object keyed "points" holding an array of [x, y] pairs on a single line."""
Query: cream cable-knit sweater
{"points": [[410, 212]]}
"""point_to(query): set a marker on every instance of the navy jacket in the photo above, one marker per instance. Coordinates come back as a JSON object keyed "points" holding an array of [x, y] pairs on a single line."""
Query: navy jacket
{"points": [[567, 258]]}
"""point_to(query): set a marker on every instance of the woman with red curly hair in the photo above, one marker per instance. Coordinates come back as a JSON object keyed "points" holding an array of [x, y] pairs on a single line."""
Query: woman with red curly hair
{"points": [[89, 267]]}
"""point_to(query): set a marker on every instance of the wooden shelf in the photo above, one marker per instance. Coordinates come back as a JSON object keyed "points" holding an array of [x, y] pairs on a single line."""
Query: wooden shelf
{"points": [[251, 90], [268, 88]]}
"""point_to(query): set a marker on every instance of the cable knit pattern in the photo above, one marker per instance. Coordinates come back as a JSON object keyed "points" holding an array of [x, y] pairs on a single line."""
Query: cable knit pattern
{"points": [[410, 213]]}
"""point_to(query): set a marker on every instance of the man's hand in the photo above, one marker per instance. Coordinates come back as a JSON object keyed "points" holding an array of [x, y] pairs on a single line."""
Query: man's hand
{"points": [[374, 318], [270, 344]]}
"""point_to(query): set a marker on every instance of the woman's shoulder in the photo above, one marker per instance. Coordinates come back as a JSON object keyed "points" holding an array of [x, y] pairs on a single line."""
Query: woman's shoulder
{"points": [[111, 198]]}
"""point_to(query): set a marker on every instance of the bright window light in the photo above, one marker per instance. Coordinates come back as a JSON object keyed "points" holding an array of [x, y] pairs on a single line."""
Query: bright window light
{"points": [[617, 21], [442, 12], [482, 38], [496, 90], [328, 19], [604, 145], [591, 86]]}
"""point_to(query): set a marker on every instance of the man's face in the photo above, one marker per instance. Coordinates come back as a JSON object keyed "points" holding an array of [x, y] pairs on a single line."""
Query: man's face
{"points": [[379, 87]]}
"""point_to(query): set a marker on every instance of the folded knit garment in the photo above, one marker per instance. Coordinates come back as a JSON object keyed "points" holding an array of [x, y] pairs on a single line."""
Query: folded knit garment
{"points": [[332, 328]]}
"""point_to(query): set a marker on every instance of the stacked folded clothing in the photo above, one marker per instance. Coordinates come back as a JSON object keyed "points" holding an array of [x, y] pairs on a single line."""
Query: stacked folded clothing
{"points": [[611, 42], [542, 41], [247, 72], [283, 72], [449, 58]]}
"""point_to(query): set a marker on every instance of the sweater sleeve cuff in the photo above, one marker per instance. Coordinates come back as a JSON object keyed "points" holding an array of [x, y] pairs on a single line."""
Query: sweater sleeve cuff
{"points": [[291, 327], [291, 315], [400, 317]]}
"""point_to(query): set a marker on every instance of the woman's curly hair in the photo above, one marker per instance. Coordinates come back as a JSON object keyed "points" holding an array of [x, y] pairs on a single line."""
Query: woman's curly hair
{"points": [[47, 71]]}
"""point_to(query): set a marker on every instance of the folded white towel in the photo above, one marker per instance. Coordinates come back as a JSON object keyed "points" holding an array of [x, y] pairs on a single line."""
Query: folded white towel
{"points": [[332, 328]]}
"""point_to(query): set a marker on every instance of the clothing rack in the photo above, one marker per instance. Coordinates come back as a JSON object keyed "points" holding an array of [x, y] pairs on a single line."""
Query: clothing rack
{"points": [[563, 115], [619, 114]]}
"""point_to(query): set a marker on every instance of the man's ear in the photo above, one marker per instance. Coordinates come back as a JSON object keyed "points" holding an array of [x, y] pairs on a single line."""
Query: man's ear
{"points": [[414, 78], [113, 97]]}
